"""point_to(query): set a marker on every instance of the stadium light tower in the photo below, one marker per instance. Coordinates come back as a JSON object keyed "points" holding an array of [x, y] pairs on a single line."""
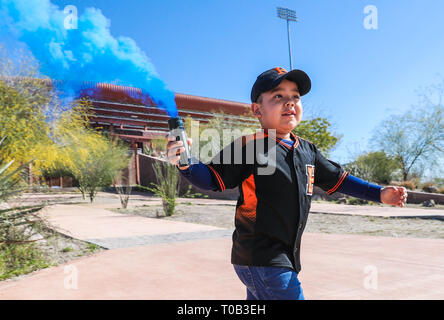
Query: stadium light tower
{"points": [[289, 15]]}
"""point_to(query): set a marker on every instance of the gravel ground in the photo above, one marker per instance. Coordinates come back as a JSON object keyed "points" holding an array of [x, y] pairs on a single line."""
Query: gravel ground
{"points": [[59, 249], [223, 216]]}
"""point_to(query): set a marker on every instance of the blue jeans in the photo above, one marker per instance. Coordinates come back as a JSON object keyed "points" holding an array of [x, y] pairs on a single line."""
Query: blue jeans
{"points": [[270, 283]]}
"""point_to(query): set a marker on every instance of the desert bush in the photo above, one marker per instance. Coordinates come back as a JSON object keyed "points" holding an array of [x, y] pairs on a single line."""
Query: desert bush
{"points": [[188, 193], [439, 182], [123, 189], [17, 259], [410, 185], [167, 186], [429, 187], [20, 227], [356, 201]]}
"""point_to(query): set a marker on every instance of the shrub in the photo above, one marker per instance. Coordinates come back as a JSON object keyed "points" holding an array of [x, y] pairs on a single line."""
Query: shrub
{"points": [[410, 185], [439, 182], [429, 187], [188, 193], [17, 259], [428, 184], [18, 252], [356, 201], [167, 186], [123, 189], [18, 228]]}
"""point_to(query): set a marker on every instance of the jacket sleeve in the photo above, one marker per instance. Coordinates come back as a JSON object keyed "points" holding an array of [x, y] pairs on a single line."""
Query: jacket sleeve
{"points": [[328, 175], [199, 175], [229, 168]]}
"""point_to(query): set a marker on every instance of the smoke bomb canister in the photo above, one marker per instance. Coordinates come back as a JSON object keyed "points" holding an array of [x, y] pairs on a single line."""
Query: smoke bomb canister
{"points": [[177, 129]]}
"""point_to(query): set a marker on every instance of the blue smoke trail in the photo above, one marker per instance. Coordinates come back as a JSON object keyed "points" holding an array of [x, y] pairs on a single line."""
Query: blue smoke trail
{"points": [[88, 53]]}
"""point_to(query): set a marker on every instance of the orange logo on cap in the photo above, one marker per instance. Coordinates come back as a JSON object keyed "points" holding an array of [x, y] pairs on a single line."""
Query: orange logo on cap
{"points": [[280, 70]]}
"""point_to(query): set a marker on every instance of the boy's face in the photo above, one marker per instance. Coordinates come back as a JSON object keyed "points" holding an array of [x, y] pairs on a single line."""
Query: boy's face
{"points": [[280, 108]]}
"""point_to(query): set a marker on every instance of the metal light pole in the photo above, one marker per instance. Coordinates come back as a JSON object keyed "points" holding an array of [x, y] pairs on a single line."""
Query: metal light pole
{"points": [[289, 15]]}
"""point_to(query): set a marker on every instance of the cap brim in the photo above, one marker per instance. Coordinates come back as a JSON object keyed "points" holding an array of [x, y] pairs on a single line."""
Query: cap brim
{"points": [[299, 77]]}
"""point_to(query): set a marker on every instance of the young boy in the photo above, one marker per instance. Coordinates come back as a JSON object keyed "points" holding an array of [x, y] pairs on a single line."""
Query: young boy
{"points": [[272, 209]]}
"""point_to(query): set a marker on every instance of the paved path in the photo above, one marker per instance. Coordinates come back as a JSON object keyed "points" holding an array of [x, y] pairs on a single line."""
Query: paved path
{"points": [[381, 211], [164, 259], [84, 222], [334, 267]]}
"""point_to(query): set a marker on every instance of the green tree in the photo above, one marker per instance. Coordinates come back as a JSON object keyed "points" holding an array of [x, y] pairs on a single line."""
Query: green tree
{"points": [[415, 138], [28, 105], [318, 131], [23, 124], [90, 157], [374, 166]]}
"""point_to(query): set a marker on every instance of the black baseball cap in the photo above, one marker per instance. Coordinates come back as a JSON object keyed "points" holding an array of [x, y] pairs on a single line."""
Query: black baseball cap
{"points": [[270, 79]]}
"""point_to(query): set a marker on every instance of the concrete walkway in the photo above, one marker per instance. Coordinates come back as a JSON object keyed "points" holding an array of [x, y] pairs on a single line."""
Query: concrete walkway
{"points": [[88, 222], [334, 267], [164, 259], [376, 211]]}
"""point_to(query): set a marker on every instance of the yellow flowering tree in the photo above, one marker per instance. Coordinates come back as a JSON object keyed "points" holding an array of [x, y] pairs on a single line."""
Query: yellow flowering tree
{"points": [[92, 158]]}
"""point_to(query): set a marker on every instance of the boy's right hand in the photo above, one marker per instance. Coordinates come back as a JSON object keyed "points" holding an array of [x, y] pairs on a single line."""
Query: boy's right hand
{"points": [[174, 149]]}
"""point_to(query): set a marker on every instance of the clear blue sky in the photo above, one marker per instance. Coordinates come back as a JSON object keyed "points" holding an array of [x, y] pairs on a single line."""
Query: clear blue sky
{"points": [[217, 48]]}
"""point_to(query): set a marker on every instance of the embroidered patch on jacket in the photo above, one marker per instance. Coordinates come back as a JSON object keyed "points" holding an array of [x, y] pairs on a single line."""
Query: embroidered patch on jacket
{"points": [[309, 170]]}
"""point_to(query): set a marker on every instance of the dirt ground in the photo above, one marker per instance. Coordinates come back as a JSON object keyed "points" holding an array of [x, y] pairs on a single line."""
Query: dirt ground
{"points": [[58, 249], [61, 249], [223, 216]]}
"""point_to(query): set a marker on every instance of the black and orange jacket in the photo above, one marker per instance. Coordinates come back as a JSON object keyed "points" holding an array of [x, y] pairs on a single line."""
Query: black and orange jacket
{"points": [[272, 209]]}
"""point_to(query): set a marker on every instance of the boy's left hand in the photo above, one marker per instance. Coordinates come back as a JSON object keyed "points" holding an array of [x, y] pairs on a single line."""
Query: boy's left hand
{"points": [[395, 196]]}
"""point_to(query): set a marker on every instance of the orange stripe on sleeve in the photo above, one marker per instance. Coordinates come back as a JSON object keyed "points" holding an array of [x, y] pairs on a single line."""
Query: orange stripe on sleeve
{"points": [[344, 174], [219, 179]]}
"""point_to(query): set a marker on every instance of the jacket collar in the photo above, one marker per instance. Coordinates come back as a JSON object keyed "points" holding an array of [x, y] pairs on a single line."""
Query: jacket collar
{"points": [[279, 140]]}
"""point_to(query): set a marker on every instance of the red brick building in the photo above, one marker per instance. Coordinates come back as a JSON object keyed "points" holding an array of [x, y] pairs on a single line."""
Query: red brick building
{"points": [[128, 114]]}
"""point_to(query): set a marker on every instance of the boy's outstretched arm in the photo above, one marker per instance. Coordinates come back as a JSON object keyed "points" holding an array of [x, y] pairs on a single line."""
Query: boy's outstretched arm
{"points": [[331, 177], [198, 174], [356, 187]]}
